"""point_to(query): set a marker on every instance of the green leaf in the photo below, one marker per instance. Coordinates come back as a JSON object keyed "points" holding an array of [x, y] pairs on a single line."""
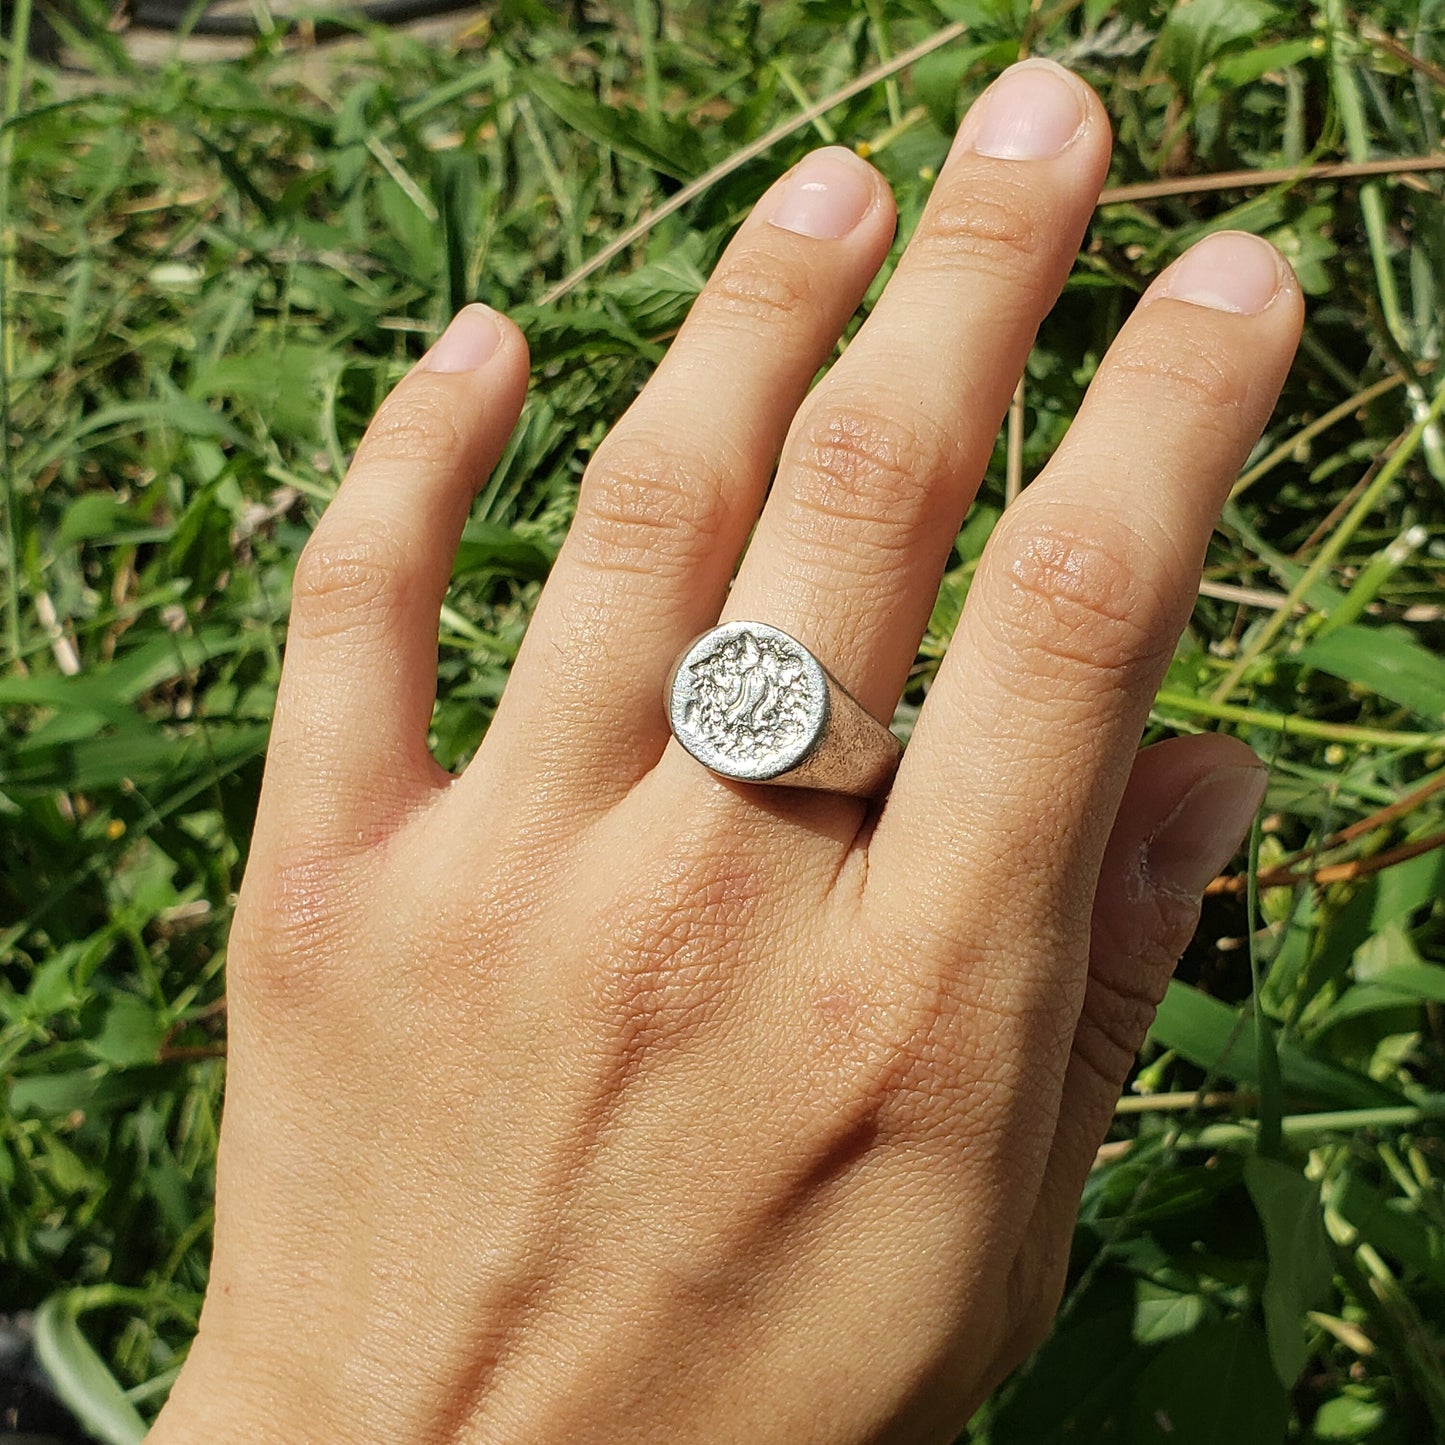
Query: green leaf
{"points": [[1162, 1314], [658, 294], [1216, 1037], [490, 547], [53, 986], [1299, 1274], [1386, 661], [1078, 1384], [1139, 1191], [984, 14], [938, 78], [1308, 245], [1389, 974], [67, 1170], [1390, 896], [105, 689], [90, 692], [178, 413], [948, 606], [131, 1033], [283, 380], [1198, 30], [1212, 1387], [97, 1090], [94, 515], [1364, 998], [140, 756], [671, 149], [1237, 71], [1347, 1418], [80, 1376]]}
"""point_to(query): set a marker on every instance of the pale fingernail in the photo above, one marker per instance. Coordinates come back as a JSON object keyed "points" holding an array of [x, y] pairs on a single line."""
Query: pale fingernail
{"points": [[1191, 846], [828, 193], [469, 342], [1032, 111], [1231, 271]]}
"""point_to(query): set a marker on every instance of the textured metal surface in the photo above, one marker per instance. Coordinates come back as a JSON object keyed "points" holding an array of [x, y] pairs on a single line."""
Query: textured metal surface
{"points": [[753, 704]]}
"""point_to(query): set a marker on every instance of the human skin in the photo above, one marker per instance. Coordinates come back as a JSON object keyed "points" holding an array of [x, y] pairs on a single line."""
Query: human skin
{"points": [[587, 1097]]}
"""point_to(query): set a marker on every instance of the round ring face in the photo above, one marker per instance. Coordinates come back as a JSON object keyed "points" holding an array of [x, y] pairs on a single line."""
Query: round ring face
{"points": [[748, 701]]}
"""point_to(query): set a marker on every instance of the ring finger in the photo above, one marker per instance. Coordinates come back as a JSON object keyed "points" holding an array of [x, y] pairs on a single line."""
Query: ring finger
{"points": [[669, 498]]}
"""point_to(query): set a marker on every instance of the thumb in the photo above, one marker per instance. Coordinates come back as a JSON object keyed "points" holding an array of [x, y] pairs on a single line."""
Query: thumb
{"points": [[1187, 806]]}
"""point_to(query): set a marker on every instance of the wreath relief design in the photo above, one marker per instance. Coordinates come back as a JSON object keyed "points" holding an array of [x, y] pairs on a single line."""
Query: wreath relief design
{"points": [[749, 698]]}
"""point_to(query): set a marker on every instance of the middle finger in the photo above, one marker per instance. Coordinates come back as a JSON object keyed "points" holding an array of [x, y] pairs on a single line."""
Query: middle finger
{"points": [[884, 457]]}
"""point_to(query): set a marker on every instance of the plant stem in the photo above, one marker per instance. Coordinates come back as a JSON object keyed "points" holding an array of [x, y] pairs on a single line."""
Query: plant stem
{"points": [[1333, 1121], [1171, 701], [885, 54], [1290, 444]]}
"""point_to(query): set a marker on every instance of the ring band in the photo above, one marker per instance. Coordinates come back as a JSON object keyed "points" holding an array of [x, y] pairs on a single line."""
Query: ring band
{"points": [[752, 704]]}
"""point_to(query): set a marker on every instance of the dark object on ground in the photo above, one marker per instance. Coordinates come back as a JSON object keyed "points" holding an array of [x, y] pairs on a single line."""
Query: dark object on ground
{"points": [[30, 1412], [225, 19], [233, 22]]}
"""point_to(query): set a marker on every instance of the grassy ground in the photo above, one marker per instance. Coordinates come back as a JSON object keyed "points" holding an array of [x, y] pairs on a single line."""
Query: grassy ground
{"points": [[213, 273]]}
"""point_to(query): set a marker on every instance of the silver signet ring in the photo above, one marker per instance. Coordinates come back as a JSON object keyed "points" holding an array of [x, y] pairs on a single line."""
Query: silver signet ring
{"points": [[753, 704]]}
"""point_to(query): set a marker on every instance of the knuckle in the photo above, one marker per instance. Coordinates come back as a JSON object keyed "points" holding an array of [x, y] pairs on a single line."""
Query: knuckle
{"points": [[289, 921], [999, 232], [1188, 371], [343, 580], [643, 507], [417, 425], [660, 974], [920, 1035], [1133, 953], [753, 289], [869, 473], [1089, 591]]}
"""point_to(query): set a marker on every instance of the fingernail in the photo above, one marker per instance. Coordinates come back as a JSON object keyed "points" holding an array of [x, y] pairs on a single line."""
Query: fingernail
{"points": [[828, 193], [469, 342], [1191, 846], [1032, 111], [1231, 271]]}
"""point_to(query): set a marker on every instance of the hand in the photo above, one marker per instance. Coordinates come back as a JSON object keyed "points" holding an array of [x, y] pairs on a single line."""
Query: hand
{"points": [[587, 1097]]}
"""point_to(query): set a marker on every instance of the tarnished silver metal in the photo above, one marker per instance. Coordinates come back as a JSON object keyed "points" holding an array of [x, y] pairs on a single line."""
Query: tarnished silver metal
{"points": [[753, 704]]}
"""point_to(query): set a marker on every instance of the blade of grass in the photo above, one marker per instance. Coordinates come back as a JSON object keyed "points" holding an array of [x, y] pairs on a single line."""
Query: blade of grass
{"points": [[751, 151], [1372, 210], [784, 72], [1335, 544], [1014, 468], [1352, 117], [1373, 577], [14, 88], [81, 1377]]}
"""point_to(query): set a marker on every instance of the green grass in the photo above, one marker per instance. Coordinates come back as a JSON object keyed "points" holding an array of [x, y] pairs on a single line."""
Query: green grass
{"points": [[212, 273]]}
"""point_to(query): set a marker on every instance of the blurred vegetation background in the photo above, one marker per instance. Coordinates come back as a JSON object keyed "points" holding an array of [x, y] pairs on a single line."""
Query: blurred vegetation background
{"points": [[214, 269]]}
